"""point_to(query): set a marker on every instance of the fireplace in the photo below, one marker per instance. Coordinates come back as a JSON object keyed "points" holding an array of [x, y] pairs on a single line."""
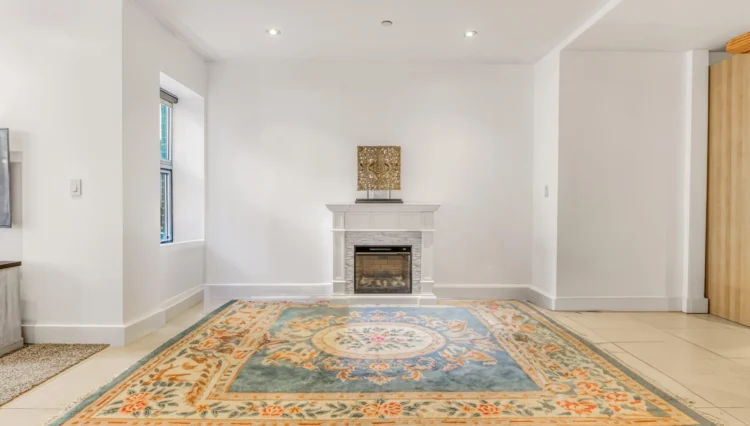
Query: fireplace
{"points": [[405, 230], [382, 269]]}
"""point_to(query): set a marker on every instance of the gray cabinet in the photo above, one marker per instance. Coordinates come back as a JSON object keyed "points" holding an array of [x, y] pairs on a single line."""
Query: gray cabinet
{"points": [[10, 307]]}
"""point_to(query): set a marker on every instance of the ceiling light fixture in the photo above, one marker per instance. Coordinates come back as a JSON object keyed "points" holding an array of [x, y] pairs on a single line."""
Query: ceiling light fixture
{"points": [[471, 33], [273, 31], [386, 23]]}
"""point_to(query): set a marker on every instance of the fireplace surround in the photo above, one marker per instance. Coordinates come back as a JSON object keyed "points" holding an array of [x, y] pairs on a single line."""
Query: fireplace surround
{"points": [[381, 226]]}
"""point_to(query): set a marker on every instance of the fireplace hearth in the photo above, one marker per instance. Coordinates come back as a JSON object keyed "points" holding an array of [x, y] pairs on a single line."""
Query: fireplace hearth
{"points": [[382, 269]]}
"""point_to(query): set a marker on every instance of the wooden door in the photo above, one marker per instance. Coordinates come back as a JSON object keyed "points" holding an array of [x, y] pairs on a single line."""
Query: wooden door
{"points": [[728, 215]]}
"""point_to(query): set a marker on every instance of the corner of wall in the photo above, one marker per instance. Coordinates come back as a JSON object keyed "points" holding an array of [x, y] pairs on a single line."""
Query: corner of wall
{"points": [[154, 58], [545, 182], [694, 180]]}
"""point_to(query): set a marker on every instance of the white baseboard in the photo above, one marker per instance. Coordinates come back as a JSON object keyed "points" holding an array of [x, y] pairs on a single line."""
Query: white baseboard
{"points": [[136, 329], [541, 298], [618, 304], [252, 291], [217, 294], [115, 335], [182, 302], [384, 299], [481, 291], [556, 303], [166, 312], [74, 333], [695, 306], [495, 291]]}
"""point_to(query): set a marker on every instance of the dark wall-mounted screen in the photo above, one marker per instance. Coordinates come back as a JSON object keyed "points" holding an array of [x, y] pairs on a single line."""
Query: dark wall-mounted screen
{"points": [[4, 179]]}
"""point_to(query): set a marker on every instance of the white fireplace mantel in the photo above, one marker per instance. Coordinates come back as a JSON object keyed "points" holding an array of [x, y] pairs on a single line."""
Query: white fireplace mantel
{"points": [[388, 223]]}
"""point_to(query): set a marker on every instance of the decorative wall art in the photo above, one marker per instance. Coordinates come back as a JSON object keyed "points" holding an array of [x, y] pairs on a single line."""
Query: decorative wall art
{"points": [[378, 173], [5, 219]]}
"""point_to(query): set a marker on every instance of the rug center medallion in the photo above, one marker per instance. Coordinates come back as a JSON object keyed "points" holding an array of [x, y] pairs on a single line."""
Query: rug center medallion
{"points": [[320, 349], [378, 341]]}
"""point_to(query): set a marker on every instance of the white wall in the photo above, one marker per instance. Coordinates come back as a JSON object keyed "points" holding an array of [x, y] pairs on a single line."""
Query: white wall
{"points": [[154, 274], [60, 77], [80, 85], [546, 133], [622, 136], [282, 143]]}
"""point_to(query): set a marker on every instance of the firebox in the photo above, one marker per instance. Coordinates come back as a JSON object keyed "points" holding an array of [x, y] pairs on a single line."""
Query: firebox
{"points": [[382, 269]]}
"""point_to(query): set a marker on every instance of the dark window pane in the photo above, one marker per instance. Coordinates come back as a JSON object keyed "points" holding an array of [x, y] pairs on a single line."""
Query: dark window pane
{"points": [[166, 205], [163, 206]]}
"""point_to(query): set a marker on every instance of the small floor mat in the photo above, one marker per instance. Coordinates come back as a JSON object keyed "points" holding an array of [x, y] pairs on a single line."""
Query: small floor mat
{"points": [[34, 364]]}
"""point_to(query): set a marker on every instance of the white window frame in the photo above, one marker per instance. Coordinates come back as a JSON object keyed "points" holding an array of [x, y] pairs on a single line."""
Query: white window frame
{"points": [[166, 168]]}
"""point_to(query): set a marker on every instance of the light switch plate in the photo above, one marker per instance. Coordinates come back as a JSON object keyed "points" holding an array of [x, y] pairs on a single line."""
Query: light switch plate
{"points": [[75, 187]]}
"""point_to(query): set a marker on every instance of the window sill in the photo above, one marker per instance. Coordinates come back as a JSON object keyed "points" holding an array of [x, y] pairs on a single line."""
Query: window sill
{"points": [[183, 245]]}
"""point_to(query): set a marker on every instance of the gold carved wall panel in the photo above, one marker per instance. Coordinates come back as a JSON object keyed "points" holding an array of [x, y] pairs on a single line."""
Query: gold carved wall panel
{"points": [[378, 168]]}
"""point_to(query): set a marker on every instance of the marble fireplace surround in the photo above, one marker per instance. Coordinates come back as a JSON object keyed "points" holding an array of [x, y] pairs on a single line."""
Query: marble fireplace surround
{"points": [[383, 224]]}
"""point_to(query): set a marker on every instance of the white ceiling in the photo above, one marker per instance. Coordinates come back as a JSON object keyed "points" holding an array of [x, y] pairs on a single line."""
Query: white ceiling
{"points": [[423, 30], [667, 25]]}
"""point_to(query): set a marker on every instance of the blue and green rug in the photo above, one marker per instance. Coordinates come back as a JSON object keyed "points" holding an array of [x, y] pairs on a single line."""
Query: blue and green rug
{"points": [[490, 362]]}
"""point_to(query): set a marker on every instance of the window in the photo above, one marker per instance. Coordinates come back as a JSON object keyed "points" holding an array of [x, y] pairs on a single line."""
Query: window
{"points": [[165, 145]]}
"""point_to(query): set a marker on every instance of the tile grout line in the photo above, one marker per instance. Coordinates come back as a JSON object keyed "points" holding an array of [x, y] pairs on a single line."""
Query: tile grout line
{"points": [[662, 372], [661, 341], [690, 403], [731, 416], [699, 346], [672, 378]]}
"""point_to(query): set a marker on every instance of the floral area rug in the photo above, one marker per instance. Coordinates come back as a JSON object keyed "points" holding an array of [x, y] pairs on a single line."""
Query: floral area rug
{"points": [[489, 362]]}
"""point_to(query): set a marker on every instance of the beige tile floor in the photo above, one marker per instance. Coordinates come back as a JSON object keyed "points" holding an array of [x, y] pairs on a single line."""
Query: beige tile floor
{"points": [[701, 358]]}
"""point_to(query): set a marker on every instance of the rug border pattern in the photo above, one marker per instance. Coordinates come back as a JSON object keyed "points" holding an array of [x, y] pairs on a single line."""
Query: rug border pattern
{"points": [[646, 383], [133, 368]]}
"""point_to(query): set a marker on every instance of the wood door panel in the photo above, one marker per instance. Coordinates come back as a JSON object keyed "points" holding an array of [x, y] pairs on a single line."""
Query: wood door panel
{"points": [[728, 215]]}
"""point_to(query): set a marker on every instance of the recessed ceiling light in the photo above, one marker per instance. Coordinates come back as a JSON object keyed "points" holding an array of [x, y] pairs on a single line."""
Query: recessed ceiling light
{"points": [[471, 33], [386, 23], [273, 31]]}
